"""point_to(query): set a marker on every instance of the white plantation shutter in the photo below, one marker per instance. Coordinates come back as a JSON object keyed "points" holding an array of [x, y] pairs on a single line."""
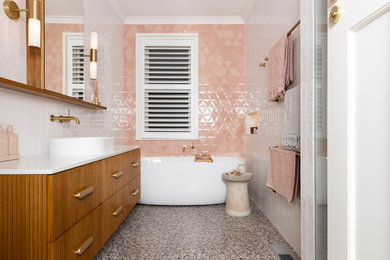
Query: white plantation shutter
{"points": [[73, 82], [77, 85], [167, 65], [167, 86], [167, 111]]}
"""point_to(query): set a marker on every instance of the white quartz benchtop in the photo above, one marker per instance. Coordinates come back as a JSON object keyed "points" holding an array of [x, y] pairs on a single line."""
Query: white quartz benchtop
{"points": [[45, 164]]}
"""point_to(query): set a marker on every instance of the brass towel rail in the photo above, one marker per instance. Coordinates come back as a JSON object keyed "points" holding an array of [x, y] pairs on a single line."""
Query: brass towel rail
{"points": [[298, 153], [263, 64], [294, 27]]}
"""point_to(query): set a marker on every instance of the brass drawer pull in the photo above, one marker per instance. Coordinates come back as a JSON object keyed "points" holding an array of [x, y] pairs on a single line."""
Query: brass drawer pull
{"points": [[87, 243], [117, 174], [84, 193], [135, 192], [135, 164], [117, 211]]}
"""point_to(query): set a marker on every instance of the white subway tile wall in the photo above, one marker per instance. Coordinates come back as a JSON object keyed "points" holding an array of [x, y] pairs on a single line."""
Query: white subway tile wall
{"points": [[266, 24]]}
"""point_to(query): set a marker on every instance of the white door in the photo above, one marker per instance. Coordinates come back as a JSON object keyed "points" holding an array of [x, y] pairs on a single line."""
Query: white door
{"points": [[359, 131]]}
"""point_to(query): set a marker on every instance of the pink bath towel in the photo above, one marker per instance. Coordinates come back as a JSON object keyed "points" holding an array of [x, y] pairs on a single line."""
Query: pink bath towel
{"points": [[281, 69], [283, 175]]}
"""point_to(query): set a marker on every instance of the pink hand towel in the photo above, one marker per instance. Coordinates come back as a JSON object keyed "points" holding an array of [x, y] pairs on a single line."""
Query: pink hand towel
{"points": [[280, 71], [283, 175]]}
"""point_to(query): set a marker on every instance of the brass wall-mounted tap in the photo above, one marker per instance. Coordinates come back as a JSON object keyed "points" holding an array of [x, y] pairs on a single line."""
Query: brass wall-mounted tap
{"points": [[184, 147], [63, 119]]}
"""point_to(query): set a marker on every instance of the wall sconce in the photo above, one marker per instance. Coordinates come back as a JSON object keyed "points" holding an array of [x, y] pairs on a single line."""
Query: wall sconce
{"points": [[93, 55], [12, 10]]}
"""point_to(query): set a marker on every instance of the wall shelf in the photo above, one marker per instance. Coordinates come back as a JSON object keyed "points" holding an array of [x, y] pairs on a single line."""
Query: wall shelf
{"points": [[27, 89]]}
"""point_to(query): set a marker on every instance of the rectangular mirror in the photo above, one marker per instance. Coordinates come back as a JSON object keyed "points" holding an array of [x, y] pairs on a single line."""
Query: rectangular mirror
{"points": [[64, 47]]}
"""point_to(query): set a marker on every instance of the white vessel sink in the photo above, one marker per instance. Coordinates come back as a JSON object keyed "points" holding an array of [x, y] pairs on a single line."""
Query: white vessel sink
{"points": [[80, 146]]}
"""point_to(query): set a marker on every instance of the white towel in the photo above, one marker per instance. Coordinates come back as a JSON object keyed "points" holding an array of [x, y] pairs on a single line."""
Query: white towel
{"points": [[291, 138]]}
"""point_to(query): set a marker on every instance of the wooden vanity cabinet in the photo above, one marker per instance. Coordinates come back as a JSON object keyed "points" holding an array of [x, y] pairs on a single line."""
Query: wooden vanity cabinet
{"points": [[68, 215]]}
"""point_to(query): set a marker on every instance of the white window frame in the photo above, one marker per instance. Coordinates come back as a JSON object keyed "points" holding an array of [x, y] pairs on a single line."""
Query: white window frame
{"points": [[68, 40], [165, 39]]}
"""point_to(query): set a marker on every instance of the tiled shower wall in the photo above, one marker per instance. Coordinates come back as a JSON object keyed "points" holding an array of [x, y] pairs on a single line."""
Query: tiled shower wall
{"points": [[266, 24], [221, 90], [31, 114], [54, 53]]}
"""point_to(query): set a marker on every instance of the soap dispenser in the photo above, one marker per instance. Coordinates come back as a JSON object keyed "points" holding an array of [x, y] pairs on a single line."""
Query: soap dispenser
{"points": [[3, 143], [12, 141]]}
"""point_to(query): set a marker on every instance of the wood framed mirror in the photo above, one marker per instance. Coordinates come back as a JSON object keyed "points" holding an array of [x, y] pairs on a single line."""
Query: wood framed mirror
{"points": [[54, 68]]}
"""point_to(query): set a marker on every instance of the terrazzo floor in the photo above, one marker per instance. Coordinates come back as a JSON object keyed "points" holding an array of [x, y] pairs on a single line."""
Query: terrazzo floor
{"points": [[192, 232]]}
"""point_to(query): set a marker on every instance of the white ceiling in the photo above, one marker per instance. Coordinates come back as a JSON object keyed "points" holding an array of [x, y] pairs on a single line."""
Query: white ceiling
{"points": [[184, 7], [136, 10], [64, 7]]}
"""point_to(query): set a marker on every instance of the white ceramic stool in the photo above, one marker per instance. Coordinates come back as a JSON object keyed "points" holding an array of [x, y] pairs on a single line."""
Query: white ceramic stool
{"points": [[237, 197]]}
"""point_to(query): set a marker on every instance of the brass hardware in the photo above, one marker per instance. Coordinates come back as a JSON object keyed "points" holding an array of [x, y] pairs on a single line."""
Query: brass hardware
{"points": [[35, 9], [93, 55], [298, 153], [184, 147], [135, 192], [11, 9], [63, 119], [294, 27], [117, 211], [84, 193], [253, 128], [192, 145], [84, 246], [263, 64], [117, 174], [135, 164], [335, 14]]}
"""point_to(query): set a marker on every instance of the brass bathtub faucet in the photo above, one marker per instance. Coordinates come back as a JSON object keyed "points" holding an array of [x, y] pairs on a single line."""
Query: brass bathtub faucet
{"points": [[63, 119], [184, 147]]}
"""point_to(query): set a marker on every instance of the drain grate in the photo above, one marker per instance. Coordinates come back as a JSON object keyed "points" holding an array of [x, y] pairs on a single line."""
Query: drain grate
{"points": [[281, 251], [285, 257]]}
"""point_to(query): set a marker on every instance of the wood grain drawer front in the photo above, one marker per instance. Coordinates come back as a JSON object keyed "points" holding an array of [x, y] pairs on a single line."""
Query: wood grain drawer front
{"points": [[61, 204], [135, 165], [114, 211], [135, 192], [82, 241], [71, 196], [117, 171], [87, 189]]}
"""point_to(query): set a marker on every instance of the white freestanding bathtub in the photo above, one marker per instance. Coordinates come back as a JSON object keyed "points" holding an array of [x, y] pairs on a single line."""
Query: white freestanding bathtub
{"points": [[181, 181]]}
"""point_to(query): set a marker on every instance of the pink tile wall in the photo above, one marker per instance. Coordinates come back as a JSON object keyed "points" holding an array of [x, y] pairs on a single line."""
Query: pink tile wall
{"points": [[222, 103], [53, 53]]}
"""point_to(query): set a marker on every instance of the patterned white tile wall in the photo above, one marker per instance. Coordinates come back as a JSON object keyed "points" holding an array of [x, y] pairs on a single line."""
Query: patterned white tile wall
{"points": [[30, 114], [266, 24]]}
